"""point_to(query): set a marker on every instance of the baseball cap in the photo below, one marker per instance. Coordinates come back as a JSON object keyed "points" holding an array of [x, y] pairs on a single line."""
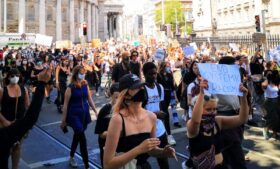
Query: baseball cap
{"points": [[130, 81]]}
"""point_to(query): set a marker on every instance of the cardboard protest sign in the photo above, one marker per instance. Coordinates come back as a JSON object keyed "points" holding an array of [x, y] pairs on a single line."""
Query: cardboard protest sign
{"points": [[222, 79], [43, 40], [96, 43], [188, 51], [177, 77], [63, 44], [159, 55]]}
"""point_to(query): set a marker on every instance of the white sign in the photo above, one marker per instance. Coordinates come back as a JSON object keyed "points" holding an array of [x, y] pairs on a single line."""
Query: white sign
{"points": [[234, 47], [43, 40], [16, 39], [159, 55], [222, 79], [193, 44]]}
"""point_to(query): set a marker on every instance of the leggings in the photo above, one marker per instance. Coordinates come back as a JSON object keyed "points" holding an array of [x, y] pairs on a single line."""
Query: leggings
{"points": [[80, 138]]}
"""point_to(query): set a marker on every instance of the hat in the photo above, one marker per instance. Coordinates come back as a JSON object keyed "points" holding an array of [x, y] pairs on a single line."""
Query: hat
{"points": [[114, 88], [130, 81]]}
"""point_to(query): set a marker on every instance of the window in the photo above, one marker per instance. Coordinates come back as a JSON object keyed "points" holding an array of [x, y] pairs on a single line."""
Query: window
{"points": [[49, 14], [10, 12], [31, 13]]}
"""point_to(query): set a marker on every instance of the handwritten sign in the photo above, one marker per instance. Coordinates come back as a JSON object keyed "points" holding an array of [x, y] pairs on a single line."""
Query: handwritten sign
{"points": [[188, 51], [95, 43], [63, 44], [159, 55], [222, 79], [193, 44]]}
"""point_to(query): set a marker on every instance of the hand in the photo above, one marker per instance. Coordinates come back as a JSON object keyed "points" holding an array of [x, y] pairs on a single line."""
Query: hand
{"points": [[6, 123], [161, 115], [203, 84], [45, 75], [148, 145], [170, 152], [63, 124], [243, 89]]}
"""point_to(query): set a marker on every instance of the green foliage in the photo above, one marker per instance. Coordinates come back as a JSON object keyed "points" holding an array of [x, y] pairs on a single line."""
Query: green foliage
{"points": [[171, 7]]}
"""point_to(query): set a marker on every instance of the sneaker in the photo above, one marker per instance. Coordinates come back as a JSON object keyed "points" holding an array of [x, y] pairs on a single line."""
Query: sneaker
{"points": [[171, 140], [97, 94], [73, 163], [184, 166], [177, 125], [265, 134]]}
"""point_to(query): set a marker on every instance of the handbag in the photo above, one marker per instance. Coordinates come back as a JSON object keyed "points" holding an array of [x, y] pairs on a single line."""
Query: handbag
{"points": [[130, 165], [205, 160]]}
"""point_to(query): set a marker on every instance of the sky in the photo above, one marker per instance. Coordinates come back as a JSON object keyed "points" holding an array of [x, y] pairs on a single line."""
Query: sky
{"points": [[133, 6]]}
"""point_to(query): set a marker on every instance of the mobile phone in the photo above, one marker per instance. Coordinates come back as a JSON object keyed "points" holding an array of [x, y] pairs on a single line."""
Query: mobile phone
{"points": [[65, 130]]}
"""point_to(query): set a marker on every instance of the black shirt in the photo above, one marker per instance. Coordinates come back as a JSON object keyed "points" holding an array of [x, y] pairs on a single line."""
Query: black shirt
{"points": [[118, 72], [102, 122], [135, 68]]}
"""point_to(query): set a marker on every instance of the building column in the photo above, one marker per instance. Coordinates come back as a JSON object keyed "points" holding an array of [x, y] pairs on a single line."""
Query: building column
{"points": [[58, 21], [21, 16], [5, 15], [105, 26], [120, 26], [93, 26], [89, 27], [42, 16], [72, 20], [0, 15], [96, 22], [82, 11]]}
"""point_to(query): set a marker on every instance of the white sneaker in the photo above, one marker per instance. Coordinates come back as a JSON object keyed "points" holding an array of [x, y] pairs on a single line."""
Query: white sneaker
{"points": [[73, 163], [171, 140], [97, 94]]}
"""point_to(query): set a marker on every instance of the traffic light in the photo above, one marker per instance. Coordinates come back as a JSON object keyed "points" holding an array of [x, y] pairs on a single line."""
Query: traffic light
{"points": [[84, 29], [257, 22]]}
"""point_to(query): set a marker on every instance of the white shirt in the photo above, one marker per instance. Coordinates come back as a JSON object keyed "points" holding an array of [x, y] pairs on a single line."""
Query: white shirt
{"points": [[153, 105], [271, 92]]}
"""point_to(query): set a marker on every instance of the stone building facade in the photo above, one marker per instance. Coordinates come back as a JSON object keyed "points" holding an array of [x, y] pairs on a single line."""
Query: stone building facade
{"points": [[234, 17], [61, 19]]}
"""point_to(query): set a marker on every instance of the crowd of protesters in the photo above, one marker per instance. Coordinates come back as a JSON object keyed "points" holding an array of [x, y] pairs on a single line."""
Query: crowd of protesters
{"points": [[145, 97]]}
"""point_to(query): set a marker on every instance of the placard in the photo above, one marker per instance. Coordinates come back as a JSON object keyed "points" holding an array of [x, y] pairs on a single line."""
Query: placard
{"points": [[188, 51], [96, 43], [222, 79], [234, 47], [193, 44], [159, 55], [43, 40], [67, 44]]}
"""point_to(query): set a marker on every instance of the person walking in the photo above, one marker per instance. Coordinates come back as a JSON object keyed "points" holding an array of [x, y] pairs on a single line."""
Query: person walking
{"points": [[14, 101], [132, 129], [76, 113]]}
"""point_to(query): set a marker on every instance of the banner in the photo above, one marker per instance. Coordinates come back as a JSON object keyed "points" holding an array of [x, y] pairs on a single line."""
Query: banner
{"points": [[222, 79], [16, 39], [43, 40]]}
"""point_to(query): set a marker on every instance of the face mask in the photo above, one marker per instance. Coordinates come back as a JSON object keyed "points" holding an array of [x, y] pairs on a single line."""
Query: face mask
{"points": [[126, 61], [39, 63], [14, 80], [24, 62], [139, 96], [168, 70], [81, 76], [208, 122], [260, 60], [71, 58]]}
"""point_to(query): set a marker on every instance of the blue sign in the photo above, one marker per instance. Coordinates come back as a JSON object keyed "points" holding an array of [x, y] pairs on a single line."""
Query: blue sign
{"points": [[222, 79], [159, 55], [188, 51]]}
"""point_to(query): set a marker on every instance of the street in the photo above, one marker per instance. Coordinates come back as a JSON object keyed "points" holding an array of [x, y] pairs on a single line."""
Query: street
{"points": [[48, 147]]}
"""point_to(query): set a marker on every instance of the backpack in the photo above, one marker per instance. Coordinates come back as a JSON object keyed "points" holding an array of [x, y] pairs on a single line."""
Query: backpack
{"points": [[195, 90], [144, 103]]}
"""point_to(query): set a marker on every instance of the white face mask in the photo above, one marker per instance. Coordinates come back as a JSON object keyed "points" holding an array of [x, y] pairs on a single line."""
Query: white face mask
{"points": [[81, 76], [14, 80]]}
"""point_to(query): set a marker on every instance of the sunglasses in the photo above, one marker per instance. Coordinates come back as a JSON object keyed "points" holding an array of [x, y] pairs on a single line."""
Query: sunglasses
{"points": [[207, 98]]}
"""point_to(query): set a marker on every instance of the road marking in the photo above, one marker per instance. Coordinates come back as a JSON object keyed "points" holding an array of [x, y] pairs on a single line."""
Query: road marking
{"points": [[179, 130], [49, 124], [51, 162], [261, 154]]}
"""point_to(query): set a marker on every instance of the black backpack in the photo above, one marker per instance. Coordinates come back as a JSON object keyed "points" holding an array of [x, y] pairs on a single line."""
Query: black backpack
{"points": [[146, 97]]}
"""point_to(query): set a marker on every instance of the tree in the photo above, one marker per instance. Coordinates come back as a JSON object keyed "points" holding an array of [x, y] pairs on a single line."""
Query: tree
{"points": [[171, 7]]}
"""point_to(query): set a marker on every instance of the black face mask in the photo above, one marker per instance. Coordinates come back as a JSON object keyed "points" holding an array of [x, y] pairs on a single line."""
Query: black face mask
{"points": [[126, 61], [139, 96]]}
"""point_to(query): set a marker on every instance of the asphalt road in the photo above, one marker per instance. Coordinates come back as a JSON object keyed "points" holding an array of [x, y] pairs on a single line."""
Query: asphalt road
{"points": [[46, 147]]}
